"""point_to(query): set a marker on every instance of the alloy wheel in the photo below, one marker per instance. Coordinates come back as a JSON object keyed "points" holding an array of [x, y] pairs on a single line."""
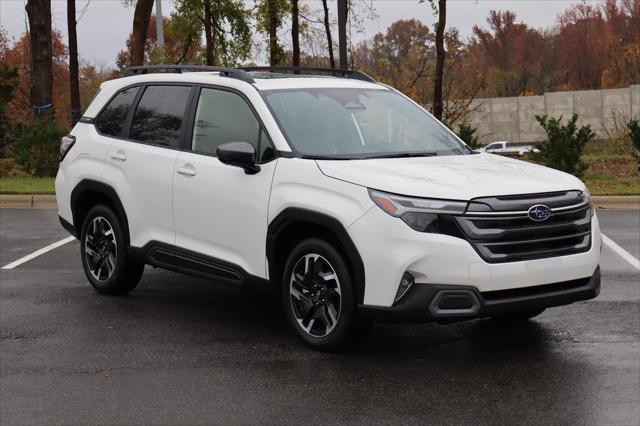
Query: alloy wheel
{"points": [[100, 249], [315, 295]]}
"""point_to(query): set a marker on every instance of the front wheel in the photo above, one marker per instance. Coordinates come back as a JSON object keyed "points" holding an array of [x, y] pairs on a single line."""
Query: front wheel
{"points": [[318, 295]]}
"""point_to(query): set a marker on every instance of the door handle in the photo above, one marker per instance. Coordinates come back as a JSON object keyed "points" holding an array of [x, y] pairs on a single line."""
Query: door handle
{"points": [[120, 156], [187, 170]]}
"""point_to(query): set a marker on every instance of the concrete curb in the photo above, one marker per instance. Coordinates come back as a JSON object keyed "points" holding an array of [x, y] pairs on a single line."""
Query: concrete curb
{"points": [[28, 201], [609, 202], [617, 202]]}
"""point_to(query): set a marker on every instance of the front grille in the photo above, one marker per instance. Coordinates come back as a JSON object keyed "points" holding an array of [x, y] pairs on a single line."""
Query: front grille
{"points": [[500, 229]]}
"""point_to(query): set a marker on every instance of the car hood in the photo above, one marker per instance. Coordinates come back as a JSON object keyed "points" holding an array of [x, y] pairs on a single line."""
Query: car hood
{"points": [[454, 177]]}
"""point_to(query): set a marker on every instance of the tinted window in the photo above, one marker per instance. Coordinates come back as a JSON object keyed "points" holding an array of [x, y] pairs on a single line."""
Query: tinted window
{"points": [[159, 115], [223, 117], [266, 151], [111, 120]]}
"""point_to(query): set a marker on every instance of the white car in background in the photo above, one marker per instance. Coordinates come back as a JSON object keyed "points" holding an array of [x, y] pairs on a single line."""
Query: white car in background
{"points": [[501, 147]]}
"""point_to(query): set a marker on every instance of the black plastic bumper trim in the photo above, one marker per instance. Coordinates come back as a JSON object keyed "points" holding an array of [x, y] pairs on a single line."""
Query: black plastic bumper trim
{"points": [[68, 227], [421, 303]]}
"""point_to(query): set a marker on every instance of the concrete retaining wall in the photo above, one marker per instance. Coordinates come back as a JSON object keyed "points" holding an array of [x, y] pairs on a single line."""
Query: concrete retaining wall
{"points": [[513, 119]]}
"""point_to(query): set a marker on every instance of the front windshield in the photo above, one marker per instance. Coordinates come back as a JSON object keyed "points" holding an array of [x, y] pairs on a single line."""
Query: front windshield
{"points": [[358, 123]]}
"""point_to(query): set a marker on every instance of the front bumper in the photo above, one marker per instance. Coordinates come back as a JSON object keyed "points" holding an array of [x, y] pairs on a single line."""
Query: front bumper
{"points": [[389, 248], [446, 303]]}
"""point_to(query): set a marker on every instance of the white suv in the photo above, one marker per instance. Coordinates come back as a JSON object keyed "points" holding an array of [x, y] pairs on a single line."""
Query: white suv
{"points": [[345, 195]]}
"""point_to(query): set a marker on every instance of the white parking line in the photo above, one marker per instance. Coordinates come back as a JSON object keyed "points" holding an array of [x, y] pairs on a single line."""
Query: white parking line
{"points": [[37, 253], [606, 240], [621, 252]]}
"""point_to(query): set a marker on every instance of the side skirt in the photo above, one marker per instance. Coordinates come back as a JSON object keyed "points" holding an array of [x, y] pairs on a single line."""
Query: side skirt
{"points": [[177, 259]]}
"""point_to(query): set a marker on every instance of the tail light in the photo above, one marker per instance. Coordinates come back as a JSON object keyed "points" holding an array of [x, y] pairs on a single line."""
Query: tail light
{"points": [[65, 145]]}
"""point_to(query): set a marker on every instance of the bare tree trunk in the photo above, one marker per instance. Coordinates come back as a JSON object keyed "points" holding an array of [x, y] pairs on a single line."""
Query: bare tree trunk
{"points": [[74, 85], [208, 32], [41, 97], [141, 18], [327, 28], [440, 57], [343, 12], [274, 54], [295, 32]]}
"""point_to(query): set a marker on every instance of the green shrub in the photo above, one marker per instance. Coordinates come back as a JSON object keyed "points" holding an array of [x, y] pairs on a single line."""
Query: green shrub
{"points": [[468, 135], [8, 86], [564, 144], [9, 168], [38, 146]]}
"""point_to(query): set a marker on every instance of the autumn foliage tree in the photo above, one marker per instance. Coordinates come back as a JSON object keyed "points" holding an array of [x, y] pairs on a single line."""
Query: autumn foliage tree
{"points": [[402, 57], [594, 45]]}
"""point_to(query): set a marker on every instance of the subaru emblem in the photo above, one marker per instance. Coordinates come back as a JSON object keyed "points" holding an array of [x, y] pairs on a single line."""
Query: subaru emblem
{"points": [[539, 212]]}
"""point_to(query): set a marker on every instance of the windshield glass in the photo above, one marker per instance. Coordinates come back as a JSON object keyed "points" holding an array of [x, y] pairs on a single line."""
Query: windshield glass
{"points": [[358, 123]]}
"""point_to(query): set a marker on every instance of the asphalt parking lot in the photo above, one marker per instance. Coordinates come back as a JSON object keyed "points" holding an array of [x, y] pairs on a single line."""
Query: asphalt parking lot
{"points": [[181, 350]]}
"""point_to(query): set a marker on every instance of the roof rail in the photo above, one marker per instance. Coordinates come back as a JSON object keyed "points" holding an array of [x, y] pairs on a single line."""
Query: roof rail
{"points": [[336, 72], [179, 69]]}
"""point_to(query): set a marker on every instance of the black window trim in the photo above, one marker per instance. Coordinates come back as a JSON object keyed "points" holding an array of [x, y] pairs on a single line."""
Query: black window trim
{"points": [[183, 128], [188, 134], [134, 103], [126, 128], [186, 130]]}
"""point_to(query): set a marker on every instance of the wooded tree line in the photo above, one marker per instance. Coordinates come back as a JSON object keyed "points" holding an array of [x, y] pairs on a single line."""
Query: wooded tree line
{"points": [[593, 45]]}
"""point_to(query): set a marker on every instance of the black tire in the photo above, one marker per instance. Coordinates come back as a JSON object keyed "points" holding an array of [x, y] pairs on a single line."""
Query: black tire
{"points": [[105, 260], [319, 290], [519, 315]]}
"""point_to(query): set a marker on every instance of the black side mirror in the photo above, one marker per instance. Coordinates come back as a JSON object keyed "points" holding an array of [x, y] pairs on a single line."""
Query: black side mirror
{"points": [[239, 154]]}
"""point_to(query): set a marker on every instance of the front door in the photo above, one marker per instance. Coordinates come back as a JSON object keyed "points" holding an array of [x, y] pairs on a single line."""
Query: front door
{"points": [[220, 211]]}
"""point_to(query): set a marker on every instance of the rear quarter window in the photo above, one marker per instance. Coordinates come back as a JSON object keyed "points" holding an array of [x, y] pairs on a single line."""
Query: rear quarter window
{"points": [[111, 120]]}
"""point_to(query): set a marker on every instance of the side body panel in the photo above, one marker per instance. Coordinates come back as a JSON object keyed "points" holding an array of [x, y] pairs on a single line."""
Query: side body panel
{"points": [[85, 160], [221, 212], [299, 183], [142, 176]]}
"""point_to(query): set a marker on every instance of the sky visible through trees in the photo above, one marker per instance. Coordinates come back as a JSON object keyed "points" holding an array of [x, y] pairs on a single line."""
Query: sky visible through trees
{"points": [[592, 45]]}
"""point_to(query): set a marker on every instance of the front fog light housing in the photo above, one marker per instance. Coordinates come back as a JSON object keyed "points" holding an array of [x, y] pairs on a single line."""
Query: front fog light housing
{"points": [[405, 284]]}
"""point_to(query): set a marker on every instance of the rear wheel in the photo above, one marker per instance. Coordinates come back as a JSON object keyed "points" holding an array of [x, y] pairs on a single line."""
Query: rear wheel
{"points": [[105, 260], [318, 296]]}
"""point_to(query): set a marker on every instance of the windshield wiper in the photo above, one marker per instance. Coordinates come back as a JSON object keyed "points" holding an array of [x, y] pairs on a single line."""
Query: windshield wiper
{"points": [[402, 155], [324, 157]]}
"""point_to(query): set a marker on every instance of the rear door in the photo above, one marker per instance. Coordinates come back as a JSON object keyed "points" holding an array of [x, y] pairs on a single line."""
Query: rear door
{"points": [[220, 211], [141, 163]]}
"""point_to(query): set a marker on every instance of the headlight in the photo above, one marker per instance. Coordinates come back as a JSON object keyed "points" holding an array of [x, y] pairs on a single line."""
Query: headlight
{"points": [[420, 214]]}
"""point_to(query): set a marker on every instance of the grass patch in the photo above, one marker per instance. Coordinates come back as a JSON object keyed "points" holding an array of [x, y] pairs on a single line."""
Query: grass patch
{"points": [[604, 184], [27, 185]]}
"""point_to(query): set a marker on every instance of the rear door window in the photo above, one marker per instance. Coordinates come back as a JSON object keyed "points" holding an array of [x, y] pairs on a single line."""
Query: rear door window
{"points": [[160, 114], [112, 119]]}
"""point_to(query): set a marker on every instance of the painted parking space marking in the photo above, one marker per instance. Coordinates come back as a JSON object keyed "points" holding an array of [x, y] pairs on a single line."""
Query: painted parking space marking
{"points": [[621, 252], [37, 253], [606, 240]]}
